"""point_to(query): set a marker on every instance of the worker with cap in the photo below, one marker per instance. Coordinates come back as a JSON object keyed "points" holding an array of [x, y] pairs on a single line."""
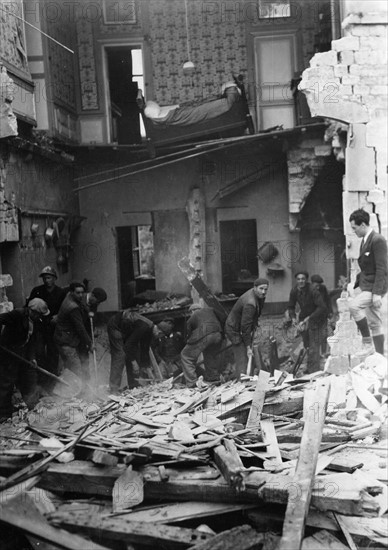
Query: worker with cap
{"points": [[317, 283], [204, 336], [242, 322], [19, 336], [53, 295], [167, 347], [71, 335], [130, 335], [312, 317]]}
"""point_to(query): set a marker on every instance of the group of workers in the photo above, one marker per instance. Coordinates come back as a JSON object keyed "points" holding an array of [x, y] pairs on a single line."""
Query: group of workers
{"points": [[55, 323], [58, 322]]}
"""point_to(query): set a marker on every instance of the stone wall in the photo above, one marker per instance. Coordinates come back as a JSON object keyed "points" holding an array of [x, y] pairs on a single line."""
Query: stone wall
{"points": [[349, 84]]}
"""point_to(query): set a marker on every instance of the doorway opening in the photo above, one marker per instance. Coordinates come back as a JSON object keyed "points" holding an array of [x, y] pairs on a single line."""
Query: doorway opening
{"points": [[135, 248], [238, 255], [125, 74]]}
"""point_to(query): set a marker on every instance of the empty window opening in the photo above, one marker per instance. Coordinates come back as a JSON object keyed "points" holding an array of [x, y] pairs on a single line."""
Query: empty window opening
{"points": [[135, 246], [125, 73], [238, 255]]}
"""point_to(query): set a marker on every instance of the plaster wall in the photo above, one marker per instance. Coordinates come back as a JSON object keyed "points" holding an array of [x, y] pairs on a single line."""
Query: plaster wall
{"points": [[45, 188], [165, 192]]}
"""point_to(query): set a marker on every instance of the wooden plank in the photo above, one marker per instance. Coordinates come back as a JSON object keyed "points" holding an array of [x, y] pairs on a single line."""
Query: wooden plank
{"points": [[315, 407], [155, 366], [184, 485], [322, 540], [183, 511], [117, 528], [243, 537], [128, 490], [230, 464], [253, 422], [345, 531], [21, 512], [270, 439], [263, 518]]}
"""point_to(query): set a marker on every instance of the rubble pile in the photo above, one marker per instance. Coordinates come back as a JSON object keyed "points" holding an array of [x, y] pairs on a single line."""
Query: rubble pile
{"points": [[261, 463]]}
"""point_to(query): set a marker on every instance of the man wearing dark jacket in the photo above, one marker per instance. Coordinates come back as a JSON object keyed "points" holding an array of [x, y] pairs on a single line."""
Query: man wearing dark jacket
{"points": [[130, 336], [204, 335], [371, 282], [53, 295], [317, 284], [242, 322], [19, 336], [71, 337], [312, 317]]}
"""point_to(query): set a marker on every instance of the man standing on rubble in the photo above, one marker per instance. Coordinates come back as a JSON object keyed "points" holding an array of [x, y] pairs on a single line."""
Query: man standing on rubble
{"points": [[371, 283], [130, 336], [204, 335], [312, 317], [71, 336], [19, 336], [53, 295], [242, 322]]}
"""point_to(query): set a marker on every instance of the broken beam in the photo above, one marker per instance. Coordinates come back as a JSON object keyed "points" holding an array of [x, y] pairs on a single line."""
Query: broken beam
{"points": [[315, 407], [125, 530]]}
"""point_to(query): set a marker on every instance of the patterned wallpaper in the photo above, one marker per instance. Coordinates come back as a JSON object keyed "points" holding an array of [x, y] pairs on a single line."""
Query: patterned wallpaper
{"points": [[62, 63], [217, 47], [217, 42], [12, 42], [87, 65]]}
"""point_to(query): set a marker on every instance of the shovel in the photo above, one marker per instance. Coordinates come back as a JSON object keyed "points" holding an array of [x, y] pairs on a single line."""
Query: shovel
{"points": [[67, 384], [70, 385]]}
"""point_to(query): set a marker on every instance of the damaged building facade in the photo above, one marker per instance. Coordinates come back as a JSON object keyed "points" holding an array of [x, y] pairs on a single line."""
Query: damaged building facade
{"points": [[38, 115], [253, 193], [268, 203]]}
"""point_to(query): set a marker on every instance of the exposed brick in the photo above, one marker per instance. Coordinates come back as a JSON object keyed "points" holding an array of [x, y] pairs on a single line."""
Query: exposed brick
{"points": [[382, 214], [378, 90], [346, 43], [361, 90], [345, 90], [370, 57], [346, 57], [350, 202], [368, 70], [350, 79], [341, 70], [378, 80], [376, 196], [369, 30], [373, 43], [382, 181], [363, 198], [324, 58]]}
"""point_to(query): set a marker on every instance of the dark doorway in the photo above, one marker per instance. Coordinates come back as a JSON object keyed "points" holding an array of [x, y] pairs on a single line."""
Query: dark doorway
{"points": [[125, 75], [322, 238], [238, 255], [135, 252]]}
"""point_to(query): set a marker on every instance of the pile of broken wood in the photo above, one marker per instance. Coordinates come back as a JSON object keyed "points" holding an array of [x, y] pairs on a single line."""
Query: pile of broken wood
{"points": [[268, 462]]}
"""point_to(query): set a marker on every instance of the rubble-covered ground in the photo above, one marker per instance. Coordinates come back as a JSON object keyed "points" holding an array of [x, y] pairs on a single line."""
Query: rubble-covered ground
{"points": [[227, 466]]}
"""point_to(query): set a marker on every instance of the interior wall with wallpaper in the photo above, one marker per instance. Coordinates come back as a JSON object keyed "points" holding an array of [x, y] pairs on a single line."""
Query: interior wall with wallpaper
{"points": [[217, 46]]}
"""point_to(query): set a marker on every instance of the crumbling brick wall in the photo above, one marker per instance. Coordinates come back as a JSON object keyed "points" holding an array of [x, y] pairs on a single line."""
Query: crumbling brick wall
{"points": [[349, 84]]}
